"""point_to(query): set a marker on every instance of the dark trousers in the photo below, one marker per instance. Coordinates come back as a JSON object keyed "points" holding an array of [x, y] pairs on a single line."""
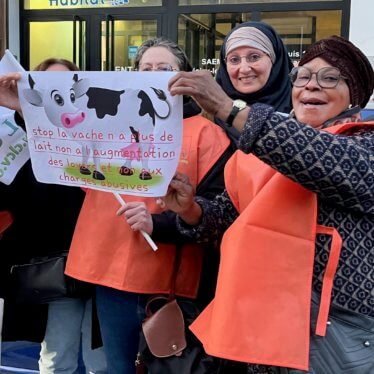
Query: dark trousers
{"points": [[120, 316]]}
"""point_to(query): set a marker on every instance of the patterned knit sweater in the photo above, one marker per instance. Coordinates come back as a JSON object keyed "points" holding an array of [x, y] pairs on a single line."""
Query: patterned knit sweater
{"points": [[340, 170]]}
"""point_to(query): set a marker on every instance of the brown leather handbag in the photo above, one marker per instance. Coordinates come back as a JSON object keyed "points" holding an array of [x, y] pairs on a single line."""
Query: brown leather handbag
{"points": [[164, 330], [167, 346]]}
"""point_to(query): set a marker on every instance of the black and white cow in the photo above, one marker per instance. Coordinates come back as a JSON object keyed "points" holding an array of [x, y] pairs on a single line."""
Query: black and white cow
{"points": [[61, 108]]}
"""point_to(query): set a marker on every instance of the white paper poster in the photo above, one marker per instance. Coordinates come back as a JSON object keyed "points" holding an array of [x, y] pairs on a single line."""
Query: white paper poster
{"points": [[114, 131]]}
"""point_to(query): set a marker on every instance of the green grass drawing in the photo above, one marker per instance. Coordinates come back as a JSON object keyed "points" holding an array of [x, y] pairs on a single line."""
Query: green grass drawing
{"points": [[113, 176]]}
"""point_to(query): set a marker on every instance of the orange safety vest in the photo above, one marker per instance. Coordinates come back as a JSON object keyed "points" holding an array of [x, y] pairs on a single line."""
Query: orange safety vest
{"points": [[106, 251], [261, 310], [6, 220]]}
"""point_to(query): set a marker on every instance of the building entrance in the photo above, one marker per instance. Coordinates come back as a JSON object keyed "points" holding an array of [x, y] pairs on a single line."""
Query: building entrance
{"points": [[105, 35], [92, 42]]}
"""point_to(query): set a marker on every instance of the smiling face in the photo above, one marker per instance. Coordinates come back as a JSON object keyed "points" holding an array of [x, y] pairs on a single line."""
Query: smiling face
{"points": [[315, 105], [248, 76]]}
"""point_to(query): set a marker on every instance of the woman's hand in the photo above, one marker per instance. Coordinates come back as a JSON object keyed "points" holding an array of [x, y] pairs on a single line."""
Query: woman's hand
{"points": [[137, 216], [8, 91], [208, 94], [204, 89], [180, 199]]}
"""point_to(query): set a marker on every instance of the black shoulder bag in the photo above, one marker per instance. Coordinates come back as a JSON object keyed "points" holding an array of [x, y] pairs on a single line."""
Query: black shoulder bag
{"points": [[42, 280]]}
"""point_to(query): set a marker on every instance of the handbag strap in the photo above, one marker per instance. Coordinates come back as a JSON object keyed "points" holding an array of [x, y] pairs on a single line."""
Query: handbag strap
{"points": [[148, 311], [173, 279]]}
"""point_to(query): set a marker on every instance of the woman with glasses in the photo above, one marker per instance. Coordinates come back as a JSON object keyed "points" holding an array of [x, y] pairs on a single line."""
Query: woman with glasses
{"points": [[254, 68], [113, 255], [296, 278]]}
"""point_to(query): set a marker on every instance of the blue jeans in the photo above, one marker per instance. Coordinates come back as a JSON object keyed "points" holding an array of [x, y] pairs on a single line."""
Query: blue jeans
{"points": [[120, 316], [69, 325]]}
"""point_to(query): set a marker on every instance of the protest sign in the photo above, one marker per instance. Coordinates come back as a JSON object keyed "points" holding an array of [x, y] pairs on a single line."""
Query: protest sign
{"points": [[13, 148], [9, 64], [13, 142], [113, 131]]}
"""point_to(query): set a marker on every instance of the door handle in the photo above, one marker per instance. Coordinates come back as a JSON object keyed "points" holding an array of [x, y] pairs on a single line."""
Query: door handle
{"points": [[109, 43], [78, 35]]}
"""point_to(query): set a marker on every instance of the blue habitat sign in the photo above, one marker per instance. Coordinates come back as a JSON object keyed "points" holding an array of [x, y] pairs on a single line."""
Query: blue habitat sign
{"points": [[86, 3]]}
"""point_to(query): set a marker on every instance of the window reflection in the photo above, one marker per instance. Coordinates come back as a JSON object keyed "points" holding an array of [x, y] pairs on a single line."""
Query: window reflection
{"points": [[201, 35], [43, 36], [301, 28], [63, 4], [128, 36], [217, 2]]}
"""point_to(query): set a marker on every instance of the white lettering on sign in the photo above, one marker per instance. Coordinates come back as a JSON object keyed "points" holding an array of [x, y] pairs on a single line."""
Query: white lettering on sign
{"points": [[123, 68], [212, 70], [210, 61], [294, 54]]}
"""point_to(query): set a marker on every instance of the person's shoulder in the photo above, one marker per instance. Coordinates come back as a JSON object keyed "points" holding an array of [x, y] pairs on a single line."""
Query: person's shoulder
{"points": [[200, 121], [207, 125], [206, 131], [363, 129], [367, 127]]}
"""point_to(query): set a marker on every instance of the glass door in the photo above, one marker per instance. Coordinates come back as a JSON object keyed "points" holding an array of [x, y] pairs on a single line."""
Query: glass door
{"points": [[62, 39], [120, 40], [93, 42], [201, 36]]}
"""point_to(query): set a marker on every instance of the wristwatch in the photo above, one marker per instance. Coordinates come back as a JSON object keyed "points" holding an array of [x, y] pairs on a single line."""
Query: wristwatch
{"points": [[237, 106]]}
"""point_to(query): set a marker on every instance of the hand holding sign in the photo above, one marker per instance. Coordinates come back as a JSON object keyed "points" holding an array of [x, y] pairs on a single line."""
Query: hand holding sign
{"points": [[145, 235]]}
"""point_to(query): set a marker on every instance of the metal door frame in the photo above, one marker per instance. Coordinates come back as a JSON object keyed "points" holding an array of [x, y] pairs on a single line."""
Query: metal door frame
{"points": [[93, 29]]}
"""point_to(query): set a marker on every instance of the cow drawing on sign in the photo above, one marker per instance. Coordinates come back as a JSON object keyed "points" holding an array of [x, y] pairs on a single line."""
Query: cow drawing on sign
{"points": [[62, 109], [140, 117]]}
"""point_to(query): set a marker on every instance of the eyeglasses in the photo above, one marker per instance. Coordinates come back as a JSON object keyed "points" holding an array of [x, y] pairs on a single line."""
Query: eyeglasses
{"points": [[327, 77], [161, 67], [250, 59]]}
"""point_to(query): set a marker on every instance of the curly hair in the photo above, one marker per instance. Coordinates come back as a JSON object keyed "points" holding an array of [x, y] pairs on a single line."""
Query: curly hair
{"points": [[183, 63]]}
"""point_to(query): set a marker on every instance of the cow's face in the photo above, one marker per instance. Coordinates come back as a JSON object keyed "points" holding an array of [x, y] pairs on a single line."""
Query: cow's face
{"points": [[59, 103]]}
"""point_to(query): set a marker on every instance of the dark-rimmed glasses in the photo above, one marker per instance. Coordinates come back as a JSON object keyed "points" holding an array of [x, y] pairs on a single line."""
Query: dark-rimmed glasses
{"points": [[327, 77]]}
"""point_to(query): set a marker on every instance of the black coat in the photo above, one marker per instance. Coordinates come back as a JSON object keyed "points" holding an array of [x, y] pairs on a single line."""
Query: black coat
{"points": [[44, 222]]}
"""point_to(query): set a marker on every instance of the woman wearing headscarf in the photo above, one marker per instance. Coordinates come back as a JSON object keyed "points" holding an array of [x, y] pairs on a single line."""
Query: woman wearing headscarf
{"points": [[254, 68], [295, 284]]}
